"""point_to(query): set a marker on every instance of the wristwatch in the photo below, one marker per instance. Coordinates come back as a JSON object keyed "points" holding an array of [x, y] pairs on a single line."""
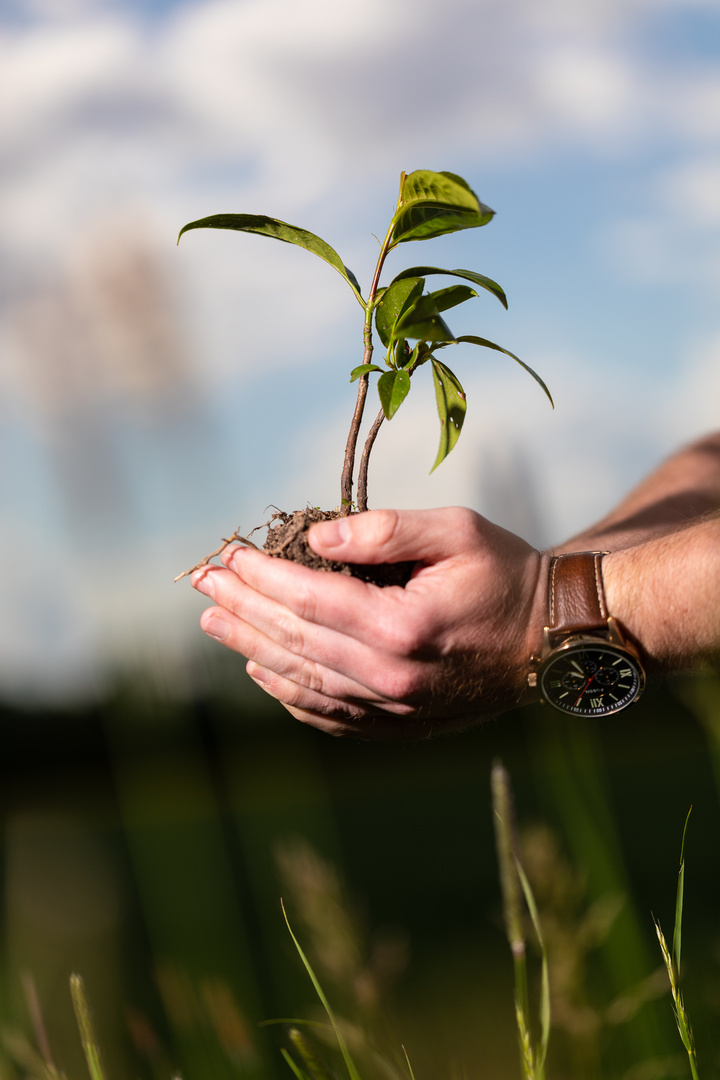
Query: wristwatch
{"points": [[586, 666]]}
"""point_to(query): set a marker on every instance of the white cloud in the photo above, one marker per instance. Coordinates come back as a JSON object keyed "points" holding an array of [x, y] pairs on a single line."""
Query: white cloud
{"points": [[48, 71], [692, 191], [589, 89]]}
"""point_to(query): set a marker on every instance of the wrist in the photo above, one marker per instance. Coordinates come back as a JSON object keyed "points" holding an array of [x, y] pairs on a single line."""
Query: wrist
{"points": [[537, 621], [586, 665], [624, 574]]}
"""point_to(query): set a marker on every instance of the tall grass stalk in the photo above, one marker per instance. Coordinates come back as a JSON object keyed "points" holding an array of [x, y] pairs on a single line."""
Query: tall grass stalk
{"points": [[312, 1062], [411, 1073], [513, 883], [349, 1063], [87, 1031], [672, 963]]}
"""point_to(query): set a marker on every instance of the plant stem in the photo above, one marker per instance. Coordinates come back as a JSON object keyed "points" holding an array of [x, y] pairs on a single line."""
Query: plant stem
{"points": [[346, 480], [369, 443], [364, 461]]}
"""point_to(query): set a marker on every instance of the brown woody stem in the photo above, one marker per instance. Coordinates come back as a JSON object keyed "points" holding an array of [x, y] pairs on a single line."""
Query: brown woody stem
{"points": [[365, 459], [346, 481]]}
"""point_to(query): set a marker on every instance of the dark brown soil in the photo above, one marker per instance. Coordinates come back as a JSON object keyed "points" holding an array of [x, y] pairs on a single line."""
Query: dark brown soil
{"points": [[287, 539]]}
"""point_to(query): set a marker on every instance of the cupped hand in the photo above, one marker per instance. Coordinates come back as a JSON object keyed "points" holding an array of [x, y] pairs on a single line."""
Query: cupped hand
{"points": [[352, 658]]}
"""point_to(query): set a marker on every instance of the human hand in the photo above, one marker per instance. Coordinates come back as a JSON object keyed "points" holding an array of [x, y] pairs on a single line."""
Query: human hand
{"points": [[352, 658]]}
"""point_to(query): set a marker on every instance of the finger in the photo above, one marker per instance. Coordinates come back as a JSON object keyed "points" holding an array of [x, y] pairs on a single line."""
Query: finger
{"points": [[393, 679], [281, 630], [339, 717], [388, 536], [388, 617], [304, 698], [317, 680]]}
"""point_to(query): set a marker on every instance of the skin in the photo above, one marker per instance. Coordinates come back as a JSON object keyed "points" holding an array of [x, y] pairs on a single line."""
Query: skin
{"points": [[452, 647]]}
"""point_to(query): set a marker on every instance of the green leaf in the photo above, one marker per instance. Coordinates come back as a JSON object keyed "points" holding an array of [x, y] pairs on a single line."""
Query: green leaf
{"points": [[399, 353], [470, 275], [278, 230], [393, 300], [451, 407], [420, 355], [420, 318], [432, 204], [393, 388], [473, 340], [363, 369], [408, 359], [452, 296]]}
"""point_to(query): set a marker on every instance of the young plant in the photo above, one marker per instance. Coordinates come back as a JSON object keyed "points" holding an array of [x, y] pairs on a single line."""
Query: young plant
{"points": [[408, 319]]}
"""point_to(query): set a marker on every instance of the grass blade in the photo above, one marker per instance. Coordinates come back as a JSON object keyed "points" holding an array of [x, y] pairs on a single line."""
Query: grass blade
{"points": [[299, 1074], [85, 1024], [33, 1005], [512, 909], [312, 1062], [349, 1063], [544, 973], [410, 1068], [677, 931], [672, 963]]}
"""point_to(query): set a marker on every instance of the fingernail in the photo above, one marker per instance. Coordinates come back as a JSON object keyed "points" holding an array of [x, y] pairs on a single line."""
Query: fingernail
{"points": [[330, 533], [215, 626], [203, 582], [235, 557], [257, 674]]}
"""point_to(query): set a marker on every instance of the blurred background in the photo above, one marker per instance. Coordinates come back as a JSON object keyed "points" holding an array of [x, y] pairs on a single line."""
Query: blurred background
{"points": [[153, 398]]}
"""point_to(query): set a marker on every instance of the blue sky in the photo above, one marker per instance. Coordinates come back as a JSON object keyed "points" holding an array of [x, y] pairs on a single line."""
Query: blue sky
{"points": [[153, 398]]}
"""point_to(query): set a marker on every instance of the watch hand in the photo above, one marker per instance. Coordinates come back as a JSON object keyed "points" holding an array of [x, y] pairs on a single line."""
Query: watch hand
{"points": [[582, 692]]}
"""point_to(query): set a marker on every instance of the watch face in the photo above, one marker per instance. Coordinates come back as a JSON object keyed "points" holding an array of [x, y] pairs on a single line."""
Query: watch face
{"points": [[590, 678]]}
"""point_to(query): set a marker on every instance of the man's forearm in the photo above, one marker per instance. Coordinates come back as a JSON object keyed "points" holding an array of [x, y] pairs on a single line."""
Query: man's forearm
{"points": [[666, 593], [662, 573], [682, 489]]}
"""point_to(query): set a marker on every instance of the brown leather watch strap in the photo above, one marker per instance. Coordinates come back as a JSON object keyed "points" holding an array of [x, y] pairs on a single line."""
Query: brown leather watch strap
{"points": [[576, 598]]}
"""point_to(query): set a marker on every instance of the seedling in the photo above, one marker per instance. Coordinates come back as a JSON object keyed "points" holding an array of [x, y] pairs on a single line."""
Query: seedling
{"points": [[408, 319]]}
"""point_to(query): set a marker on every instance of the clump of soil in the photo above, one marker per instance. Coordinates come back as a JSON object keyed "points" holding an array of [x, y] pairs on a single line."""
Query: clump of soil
{"points": [[287, 539]]}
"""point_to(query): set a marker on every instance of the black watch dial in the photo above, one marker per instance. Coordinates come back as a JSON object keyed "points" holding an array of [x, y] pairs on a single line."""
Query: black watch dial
{"points": [[591, 678]]}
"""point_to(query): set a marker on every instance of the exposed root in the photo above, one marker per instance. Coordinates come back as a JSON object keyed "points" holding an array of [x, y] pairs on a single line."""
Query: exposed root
{"points": [[203, 562]]}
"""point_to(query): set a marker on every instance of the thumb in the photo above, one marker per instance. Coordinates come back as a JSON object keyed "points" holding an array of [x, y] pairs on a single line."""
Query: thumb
{"points": [[387, 536]]}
